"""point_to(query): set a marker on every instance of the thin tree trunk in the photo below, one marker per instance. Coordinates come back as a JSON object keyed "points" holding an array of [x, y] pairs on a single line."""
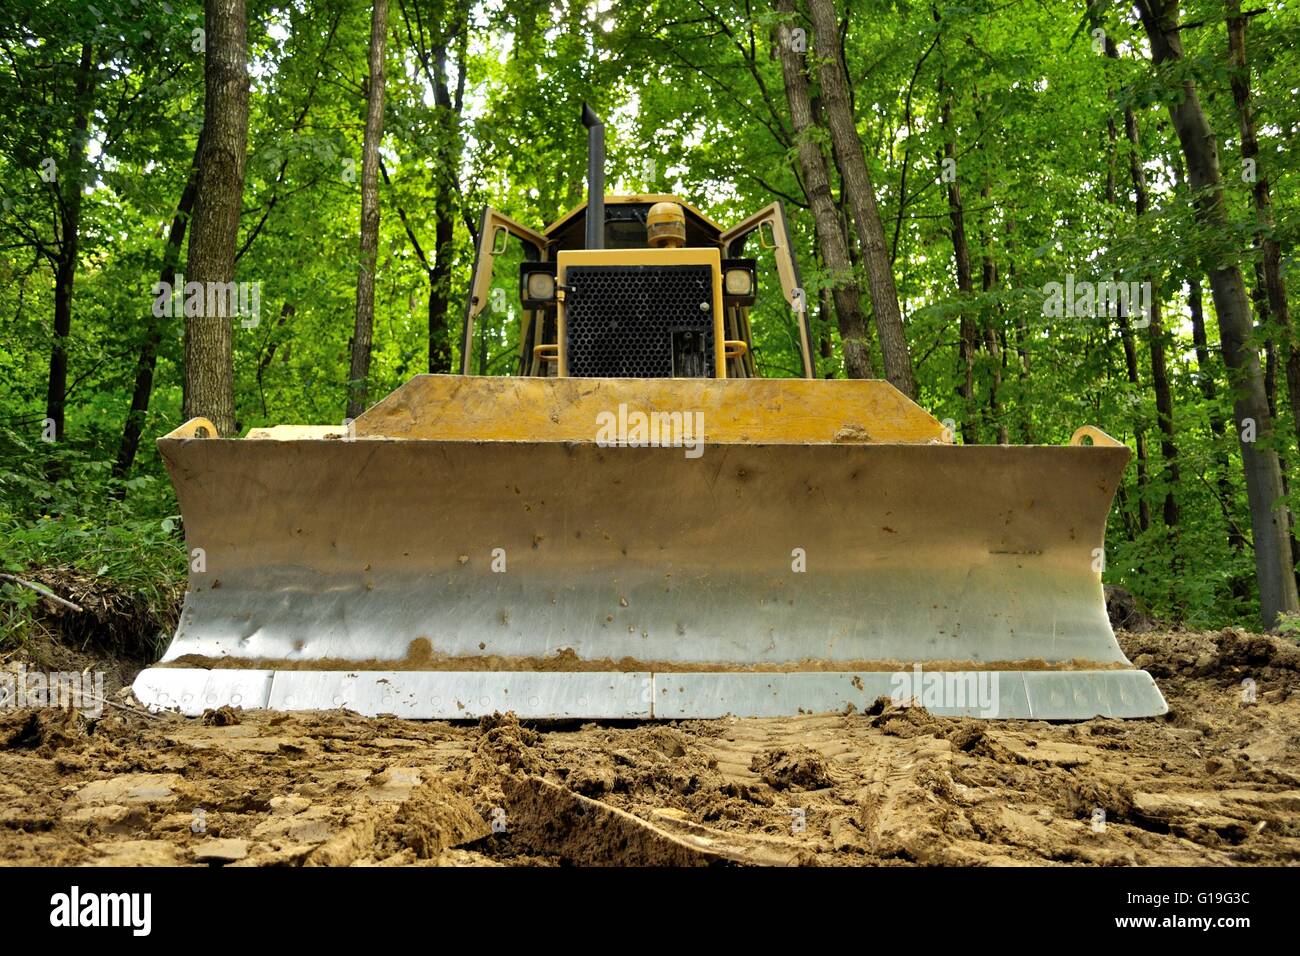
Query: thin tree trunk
{"points": [[214, 229], [1023, 361], [1122, 493], [825, 347], [65, 271], [440, 337], [449, 112], [969, 339], [1155, 329], [1139, 433], [448, 109], [1123, 320], [830, 235], [1274, 284], [1022, 375], [1269, 515], [861, 197], [1164, 410], [363, 329], [992, 340], [1205, 380], [992, 330], [147, 361], [286, 313]]}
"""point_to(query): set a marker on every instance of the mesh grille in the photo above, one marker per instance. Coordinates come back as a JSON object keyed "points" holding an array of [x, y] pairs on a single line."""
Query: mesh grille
{"points": [[620, 321]]}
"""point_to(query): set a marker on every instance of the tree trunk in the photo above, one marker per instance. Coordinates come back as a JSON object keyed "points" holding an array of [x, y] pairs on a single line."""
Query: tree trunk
{"points": [[1271, 254], [969, 339], [1271, 298], [148, 358], [440, 337], [1269, 516], [825, 347], [65, 269], [214, 229], [268, 354], [1139, 433], [1123, 320], [1022, 340], [992, 327], [830, 235], [1164, 410], [365, 313], [861, 196], [452, 105], [447, 113], [1155, 329], [993, 335], [1205, 376]]}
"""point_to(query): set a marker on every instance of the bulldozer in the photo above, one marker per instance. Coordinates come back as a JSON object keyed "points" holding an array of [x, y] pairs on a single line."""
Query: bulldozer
{"points": [[634, 524]]}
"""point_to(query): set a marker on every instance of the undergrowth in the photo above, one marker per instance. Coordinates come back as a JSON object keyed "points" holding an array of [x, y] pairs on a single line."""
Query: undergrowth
{"points": [[112, 546]]}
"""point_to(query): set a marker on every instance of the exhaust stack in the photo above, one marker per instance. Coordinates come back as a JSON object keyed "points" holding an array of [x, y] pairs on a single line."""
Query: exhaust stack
{"points": [[595, 177]]}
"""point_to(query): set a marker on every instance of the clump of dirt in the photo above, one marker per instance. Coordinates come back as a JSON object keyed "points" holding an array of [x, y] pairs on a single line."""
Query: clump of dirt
{"points": [[434, 818], [904, 720], [792, 768], [45, 730], [223, 716], [592, 781], [1084, 797], [502, 747], [1224, 657], [878, 706], [732, 802], [506, 745], [972, 737], [649, 760]]}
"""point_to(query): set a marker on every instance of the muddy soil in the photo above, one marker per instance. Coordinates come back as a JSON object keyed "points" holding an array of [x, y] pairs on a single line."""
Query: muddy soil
{"points": [[1215, 782]]}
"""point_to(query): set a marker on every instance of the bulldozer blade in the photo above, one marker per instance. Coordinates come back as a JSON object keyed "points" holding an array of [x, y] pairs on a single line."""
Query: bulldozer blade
{"points": [[450, 578]]}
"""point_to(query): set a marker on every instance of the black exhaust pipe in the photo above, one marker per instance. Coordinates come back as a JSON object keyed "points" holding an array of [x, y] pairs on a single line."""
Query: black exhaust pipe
{"points": [[595, 177]]}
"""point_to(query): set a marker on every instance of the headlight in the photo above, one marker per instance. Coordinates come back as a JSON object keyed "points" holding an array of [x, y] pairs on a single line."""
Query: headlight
{"points": [[541, 286], [738, 282]]}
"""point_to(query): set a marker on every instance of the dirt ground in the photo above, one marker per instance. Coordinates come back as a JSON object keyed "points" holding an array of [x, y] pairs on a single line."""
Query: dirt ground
{"points": [[1216, 782]]}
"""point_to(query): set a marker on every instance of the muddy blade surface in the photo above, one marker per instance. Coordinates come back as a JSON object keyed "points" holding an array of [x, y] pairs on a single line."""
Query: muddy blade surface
{"points": [[453, 578]]}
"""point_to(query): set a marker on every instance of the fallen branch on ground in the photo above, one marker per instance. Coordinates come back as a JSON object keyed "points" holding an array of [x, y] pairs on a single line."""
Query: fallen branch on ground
{"points": [[42, 590]]}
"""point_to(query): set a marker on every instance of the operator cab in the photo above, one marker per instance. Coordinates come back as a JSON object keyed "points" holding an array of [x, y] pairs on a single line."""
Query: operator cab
{"points": [[675, 309], [638, 286]]}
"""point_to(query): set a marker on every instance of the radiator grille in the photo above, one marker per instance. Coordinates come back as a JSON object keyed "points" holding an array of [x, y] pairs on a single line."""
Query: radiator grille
{"points": [[623, 321]]}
